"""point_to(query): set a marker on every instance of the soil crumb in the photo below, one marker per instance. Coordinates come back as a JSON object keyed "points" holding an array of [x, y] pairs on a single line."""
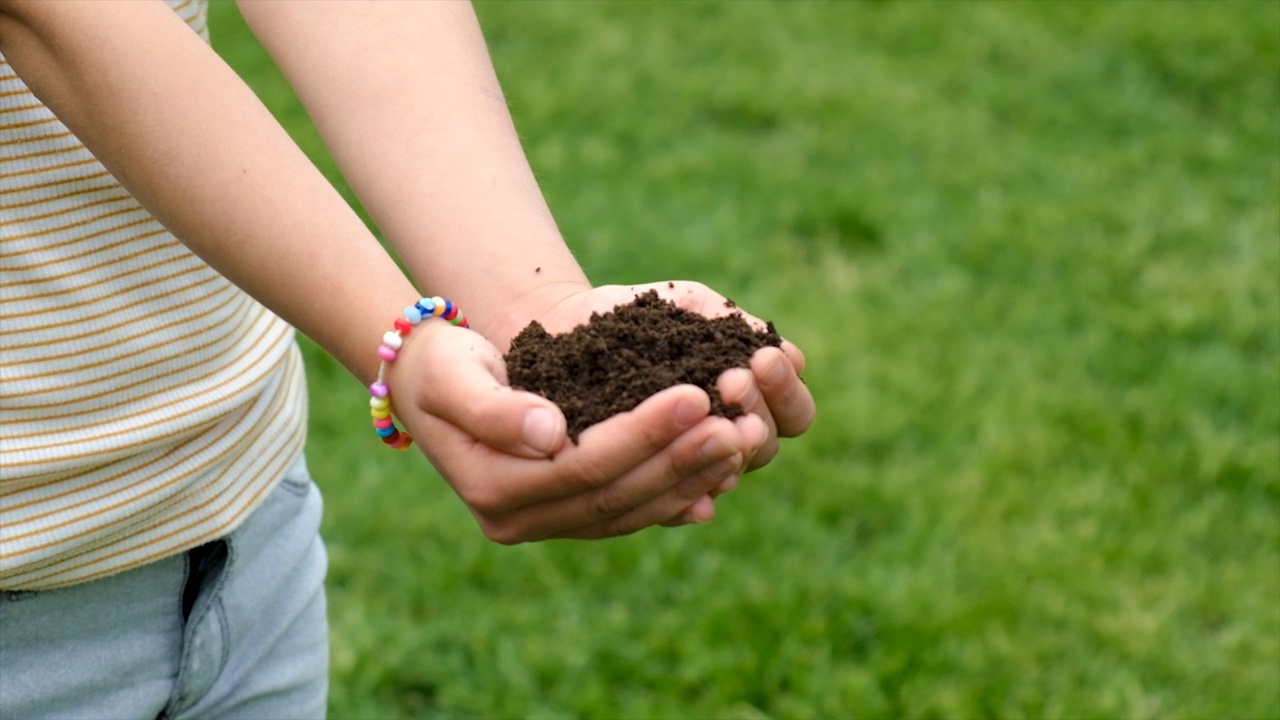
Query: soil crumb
{"points": [[620, 358]]}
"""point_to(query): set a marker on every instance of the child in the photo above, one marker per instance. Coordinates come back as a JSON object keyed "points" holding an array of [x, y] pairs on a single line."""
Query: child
{"points": [[159, 235]]}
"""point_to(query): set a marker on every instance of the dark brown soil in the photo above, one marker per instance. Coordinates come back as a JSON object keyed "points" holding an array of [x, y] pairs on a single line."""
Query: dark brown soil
{"points": [[615, 361]]}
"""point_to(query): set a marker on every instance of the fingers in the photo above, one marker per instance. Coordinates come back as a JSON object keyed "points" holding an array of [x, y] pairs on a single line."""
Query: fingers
{"points": [[672, 482], [684, 478], [459, 377], [794, 355], [506, 453], [784, 392], [495, 485], [738, 387]]}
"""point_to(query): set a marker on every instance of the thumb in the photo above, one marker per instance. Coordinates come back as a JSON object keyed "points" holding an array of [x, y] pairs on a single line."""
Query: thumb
{"points": [[459, 377]]}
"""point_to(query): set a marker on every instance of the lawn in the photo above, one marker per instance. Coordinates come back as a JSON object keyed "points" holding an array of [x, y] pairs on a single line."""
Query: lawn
{"points": [[1032, 252]]}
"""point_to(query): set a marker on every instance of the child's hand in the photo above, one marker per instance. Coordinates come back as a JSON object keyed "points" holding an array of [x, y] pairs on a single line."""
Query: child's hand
{"points": [[771, 389], [506, 452]]}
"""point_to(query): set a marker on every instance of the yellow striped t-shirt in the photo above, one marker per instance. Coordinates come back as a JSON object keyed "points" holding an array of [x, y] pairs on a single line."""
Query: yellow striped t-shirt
{"points": [[146, 403]]}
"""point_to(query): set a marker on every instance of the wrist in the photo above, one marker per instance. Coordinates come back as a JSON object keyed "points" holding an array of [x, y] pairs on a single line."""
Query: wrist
{"points": [[540, 302], [414, 319]]}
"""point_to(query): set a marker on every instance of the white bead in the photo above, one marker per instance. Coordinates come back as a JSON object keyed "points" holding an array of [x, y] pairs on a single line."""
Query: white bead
{"points": [[392, 340]]}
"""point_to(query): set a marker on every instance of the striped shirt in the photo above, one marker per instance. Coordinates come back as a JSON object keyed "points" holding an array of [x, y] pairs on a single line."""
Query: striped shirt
{"points": [[146, 403]]}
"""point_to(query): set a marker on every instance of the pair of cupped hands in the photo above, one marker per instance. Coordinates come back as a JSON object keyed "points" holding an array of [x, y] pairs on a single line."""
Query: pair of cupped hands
{"points": [[506, 452]]}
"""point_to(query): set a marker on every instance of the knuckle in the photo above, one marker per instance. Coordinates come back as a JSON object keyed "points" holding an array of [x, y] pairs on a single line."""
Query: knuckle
{"points": [[683, 465], [609, 504], [588, 472], [483, 414], [625, 525]]}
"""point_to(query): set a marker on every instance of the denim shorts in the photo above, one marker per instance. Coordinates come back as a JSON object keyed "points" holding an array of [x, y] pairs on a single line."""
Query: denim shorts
{"points": [[233, 629]]}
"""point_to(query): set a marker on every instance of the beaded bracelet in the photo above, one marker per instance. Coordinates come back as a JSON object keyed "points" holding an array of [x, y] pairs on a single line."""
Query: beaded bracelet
{"points": [[392, 341]]}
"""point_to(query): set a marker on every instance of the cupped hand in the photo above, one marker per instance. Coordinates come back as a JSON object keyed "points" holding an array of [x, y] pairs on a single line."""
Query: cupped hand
{"points": [[771, 389], [506, 453]]}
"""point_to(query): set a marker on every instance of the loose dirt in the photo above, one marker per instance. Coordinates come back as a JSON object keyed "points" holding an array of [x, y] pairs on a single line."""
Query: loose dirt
{"points": [[618, 359]]}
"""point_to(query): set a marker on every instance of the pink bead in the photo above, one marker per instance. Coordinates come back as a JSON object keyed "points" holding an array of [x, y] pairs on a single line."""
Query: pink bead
{"points": [[385, 422], [378, 390], [386, 353]]}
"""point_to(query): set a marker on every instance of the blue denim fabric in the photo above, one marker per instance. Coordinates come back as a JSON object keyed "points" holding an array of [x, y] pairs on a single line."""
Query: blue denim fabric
{"points": [[251, 640]]}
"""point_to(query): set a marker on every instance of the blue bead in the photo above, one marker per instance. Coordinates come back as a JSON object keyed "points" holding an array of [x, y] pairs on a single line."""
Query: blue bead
{"points": [[385, 432], [448, 307], [413, 315]]}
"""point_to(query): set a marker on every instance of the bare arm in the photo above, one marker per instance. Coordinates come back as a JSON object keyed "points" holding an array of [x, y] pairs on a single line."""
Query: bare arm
{"points": [[407, 100], [242, 196], [120, 76]]}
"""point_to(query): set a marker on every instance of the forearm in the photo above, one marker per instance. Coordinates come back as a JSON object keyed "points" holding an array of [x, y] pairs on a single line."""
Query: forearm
{"points": [[180, 130], [406, 97]]}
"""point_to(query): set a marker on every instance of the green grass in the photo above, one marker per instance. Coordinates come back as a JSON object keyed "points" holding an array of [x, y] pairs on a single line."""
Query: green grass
{"points": [[1032, 251]]}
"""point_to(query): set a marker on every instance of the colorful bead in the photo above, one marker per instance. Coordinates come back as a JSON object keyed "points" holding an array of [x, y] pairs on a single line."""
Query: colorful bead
{"points": [[380, 401]]}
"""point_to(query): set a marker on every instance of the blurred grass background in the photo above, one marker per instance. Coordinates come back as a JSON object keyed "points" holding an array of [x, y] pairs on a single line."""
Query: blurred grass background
{"points": [[1032, 251]]}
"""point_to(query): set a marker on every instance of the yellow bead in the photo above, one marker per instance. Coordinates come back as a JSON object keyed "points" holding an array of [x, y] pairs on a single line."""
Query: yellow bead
{"points": [[379, 413]]}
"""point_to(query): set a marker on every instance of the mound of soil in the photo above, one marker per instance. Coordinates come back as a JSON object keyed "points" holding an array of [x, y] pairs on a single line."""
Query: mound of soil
{"points": [[619, 358]]}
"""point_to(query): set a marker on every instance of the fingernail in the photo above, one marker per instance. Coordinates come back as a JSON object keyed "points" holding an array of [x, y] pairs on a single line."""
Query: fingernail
{"points": [[540, 430]]}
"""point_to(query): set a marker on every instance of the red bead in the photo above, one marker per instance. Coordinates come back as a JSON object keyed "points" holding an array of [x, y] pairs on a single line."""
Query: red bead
{"points": [[392, 438], [404, 326], [453, 313]]}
